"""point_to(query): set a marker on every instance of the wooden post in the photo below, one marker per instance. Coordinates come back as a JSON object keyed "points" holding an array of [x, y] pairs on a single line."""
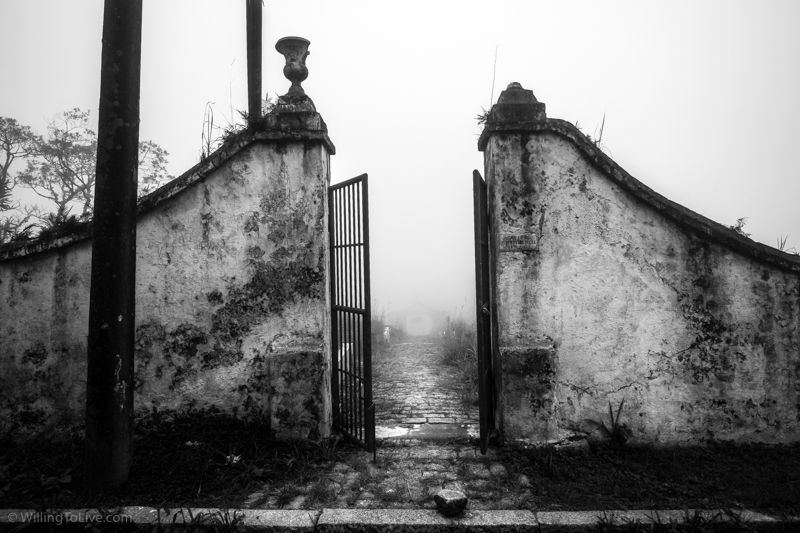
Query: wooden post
{"points": [[254, 59], [109, 386]]}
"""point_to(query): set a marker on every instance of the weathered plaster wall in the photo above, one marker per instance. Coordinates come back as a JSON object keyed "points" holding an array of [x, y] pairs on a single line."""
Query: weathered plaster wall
{"points": [[231, 299], [606, 291]]}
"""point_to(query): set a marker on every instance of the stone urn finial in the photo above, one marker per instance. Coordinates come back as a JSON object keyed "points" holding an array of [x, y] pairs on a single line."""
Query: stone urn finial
{"points": [[295, 50]]}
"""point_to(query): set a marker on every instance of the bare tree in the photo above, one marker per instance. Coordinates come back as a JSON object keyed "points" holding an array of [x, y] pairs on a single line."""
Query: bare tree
{"points": [[16, 142], [62, 171], [152, 167], [62, 167]]}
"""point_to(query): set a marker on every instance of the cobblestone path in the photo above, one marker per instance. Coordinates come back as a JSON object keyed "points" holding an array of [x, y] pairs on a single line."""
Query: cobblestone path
{"points": [[417, 396]]}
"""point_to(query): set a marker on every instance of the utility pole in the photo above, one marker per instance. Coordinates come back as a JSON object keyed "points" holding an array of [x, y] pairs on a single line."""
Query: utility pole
{"points": [[109, 386], [254, 60]]}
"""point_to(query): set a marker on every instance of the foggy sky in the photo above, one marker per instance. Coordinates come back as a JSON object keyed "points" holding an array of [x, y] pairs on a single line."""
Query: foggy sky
{"points": [[699, 99]]}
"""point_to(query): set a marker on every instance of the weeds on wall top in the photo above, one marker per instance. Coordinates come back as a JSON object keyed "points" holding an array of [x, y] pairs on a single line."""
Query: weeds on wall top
{"points": [[213, 136]]}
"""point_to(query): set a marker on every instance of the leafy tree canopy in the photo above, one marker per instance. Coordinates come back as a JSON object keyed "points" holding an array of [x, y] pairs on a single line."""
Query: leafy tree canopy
{"points": [[60, 168]]}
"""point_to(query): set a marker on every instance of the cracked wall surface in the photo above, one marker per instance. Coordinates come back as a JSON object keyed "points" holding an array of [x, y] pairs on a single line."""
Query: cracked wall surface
{"points": [[603, 298], [231, 302]]}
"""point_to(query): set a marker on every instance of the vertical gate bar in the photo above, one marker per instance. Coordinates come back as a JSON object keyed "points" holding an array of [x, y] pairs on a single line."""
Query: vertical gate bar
{"points": [[353, 347], [343, 280], [351, 385], [348, 240], [335, 302], [370, 433], [342, 301], [353, 397], [338, 242], [345, 379], [345, 382], [346, 396], [360, 241], [363, 341], [350, 368], [349, 317], [339, 374], [340, 318], [359, 413], [356, 316], [332, 289], [360, 284], [342, 239]]}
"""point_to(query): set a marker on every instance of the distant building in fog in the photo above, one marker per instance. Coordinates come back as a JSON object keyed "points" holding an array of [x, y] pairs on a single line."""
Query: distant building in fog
{"points": [[419, 320]]}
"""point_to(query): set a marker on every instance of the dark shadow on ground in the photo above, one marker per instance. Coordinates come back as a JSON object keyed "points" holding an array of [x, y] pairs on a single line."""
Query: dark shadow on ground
{"points": [[207, 459]]}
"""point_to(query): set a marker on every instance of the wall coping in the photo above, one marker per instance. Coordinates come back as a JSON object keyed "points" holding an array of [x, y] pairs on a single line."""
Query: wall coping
{"points": [[686, 218], [171, 189]]}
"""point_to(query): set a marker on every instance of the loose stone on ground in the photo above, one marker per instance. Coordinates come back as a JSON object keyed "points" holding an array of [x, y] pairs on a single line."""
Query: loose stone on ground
{"points": [[450, 502]]}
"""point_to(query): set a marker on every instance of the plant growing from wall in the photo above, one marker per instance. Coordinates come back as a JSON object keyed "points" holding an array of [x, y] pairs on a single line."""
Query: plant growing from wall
{"points": [[782, 246], [212, 136], [615, 435], [739, 227]]}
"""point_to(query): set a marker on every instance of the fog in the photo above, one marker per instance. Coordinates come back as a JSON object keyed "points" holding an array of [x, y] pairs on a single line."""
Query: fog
{"points": [[699, 101]]}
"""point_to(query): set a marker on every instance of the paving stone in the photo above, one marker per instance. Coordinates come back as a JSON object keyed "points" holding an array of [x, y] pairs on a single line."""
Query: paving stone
{"points": [[496, 469], [476, 485], [478, 470], [412, 386]]}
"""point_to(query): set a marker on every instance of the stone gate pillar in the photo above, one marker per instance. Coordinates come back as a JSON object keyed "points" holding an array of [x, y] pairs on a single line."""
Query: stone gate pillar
{"points": [[524, 362], [299, 358]]}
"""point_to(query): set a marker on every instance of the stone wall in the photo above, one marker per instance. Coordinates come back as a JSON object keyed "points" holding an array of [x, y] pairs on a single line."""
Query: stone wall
{"points": [[231, 295], [608, 292]]}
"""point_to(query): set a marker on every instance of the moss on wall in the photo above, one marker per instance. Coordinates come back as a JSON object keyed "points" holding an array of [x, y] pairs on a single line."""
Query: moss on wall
{"points": [[230, 301], [699, 338]]}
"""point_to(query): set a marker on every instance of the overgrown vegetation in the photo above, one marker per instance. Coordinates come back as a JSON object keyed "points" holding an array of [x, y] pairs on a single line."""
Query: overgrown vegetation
{"points": [[457, 346]]}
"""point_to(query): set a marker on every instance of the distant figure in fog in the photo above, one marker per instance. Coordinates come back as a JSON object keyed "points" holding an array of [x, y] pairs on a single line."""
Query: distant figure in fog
{"points": [[387, 334]]}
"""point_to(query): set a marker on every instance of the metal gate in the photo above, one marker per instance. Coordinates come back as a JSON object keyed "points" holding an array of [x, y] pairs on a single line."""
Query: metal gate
{"points": [[351, 378], [484, 312]]}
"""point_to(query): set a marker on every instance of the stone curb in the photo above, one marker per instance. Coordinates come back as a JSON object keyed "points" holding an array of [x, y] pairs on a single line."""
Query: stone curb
{"points": [[417, 520]]}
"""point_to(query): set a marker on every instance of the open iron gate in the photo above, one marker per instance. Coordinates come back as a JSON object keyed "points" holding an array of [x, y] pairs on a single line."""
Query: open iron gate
{"points": [[484, 312], [351, 339]]}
